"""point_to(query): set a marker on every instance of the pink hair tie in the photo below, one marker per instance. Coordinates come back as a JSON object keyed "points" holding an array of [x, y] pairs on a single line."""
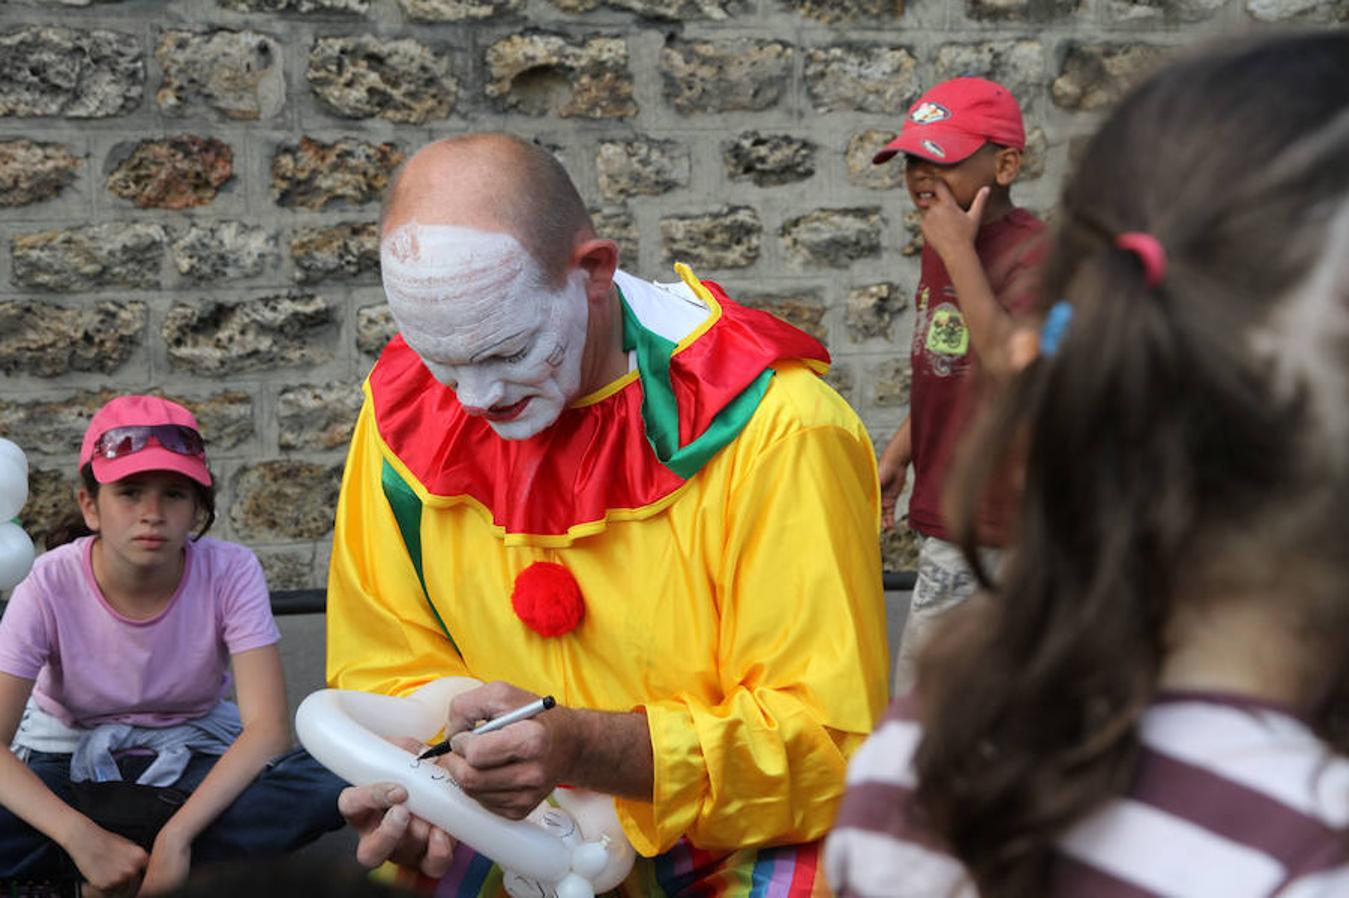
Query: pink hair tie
{"points": [[1149, 251]]}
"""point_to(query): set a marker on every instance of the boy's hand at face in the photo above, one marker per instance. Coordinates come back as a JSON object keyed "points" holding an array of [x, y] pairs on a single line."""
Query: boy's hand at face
{"points": [[948, 228]]}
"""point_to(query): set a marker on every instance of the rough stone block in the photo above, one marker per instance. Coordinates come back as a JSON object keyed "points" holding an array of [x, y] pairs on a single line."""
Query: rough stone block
{"points": [[317, 416], [1021, 10], [843, 12], [872, 309], [312, 174], [833, 237], [618, 225], [223, 251], [375, 327], [51, 502], [548, 74], [890, 382], [913, 227], [661, 10], [174, 173], [641, 166], [1298, 10], [285, 500], [368, 77], [33, 171], [1094, 76], [460, 10], [802, 309], [291, 568], [736, 75], [303, 7], [862, 79], [341, 251], [50, 427], [1162, 10], [211, 339], [727, 238], [57, 426], [1018, 65], [226, 418], [48, 340], [1036, 152], [840, 376], [78, 74], [899, 547], [862, 172], [768, 160], [69, 3], [116, 254], [236, 73]]}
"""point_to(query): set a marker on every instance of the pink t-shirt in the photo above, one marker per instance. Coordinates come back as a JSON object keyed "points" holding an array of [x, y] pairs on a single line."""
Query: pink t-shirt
{"points": [[94, 666]]}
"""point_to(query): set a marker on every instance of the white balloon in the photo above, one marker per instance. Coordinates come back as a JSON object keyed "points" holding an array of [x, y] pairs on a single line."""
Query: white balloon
{"points": [[595, 815], [348, 732], [10, 449], [16, 554], [13, 486]]}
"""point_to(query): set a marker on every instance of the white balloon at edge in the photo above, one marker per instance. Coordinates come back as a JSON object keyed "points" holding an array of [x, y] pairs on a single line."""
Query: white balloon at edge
{"points": [[348, 732], [10, 449], [13, 480], [16, 554]]}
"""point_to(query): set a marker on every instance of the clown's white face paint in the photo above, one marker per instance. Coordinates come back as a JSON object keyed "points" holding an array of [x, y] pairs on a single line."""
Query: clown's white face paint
{"points": [[475, 307]]}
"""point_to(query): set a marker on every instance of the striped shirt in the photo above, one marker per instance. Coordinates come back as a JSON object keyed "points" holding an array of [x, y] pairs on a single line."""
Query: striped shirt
{"points": [[1233, 799]]}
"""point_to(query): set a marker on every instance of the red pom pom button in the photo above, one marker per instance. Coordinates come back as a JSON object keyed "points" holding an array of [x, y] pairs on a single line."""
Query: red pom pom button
{"points": [[548, 599]]}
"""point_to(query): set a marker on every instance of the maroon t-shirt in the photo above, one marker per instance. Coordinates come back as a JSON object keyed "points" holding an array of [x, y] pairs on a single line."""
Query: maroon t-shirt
{"points": [[943, 362]]}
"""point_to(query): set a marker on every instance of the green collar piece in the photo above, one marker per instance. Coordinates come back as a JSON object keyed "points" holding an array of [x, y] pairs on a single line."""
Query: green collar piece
{"points": [[660, 411]]}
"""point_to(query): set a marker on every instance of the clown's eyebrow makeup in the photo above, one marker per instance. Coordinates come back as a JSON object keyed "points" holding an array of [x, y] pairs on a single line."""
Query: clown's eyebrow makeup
{"points": [[490, 351]]}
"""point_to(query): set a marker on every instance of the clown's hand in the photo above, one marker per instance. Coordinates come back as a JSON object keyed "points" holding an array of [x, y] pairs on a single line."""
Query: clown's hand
{"points": [[387, 831], [509, 771]]}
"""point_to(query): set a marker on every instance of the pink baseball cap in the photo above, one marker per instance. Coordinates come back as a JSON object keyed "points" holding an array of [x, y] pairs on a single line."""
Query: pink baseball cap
{"points": [[150, 425], [955, 118]]}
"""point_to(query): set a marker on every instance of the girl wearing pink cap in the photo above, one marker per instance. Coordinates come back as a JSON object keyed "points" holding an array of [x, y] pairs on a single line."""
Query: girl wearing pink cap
{"points": [[128, 762]]}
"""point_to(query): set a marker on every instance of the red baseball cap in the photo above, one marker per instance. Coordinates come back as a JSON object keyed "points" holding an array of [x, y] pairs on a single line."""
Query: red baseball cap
{"points": [[955, 118], [152, 455]]}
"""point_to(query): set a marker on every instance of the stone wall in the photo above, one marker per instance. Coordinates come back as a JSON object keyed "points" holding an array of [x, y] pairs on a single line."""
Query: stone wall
{"points": [[190, 189]]}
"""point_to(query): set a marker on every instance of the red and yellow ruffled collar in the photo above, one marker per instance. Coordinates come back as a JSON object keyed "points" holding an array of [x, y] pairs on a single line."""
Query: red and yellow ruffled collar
{"points": [[596, 462]]}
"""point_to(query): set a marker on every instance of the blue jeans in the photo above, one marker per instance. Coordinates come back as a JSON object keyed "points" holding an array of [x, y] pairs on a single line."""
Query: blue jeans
{"points": [[291, 802]]}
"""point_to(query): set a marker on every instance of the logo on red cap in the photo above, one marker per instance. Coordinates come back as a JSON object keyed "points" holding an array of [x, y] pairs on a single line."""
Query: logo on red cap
{"points": [[928, 112]]}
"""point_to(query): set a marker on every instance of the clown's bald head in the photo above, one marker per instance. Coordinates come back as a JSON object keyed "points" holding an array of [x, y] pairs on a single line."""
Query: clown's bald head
{"points": [[497, 183]]}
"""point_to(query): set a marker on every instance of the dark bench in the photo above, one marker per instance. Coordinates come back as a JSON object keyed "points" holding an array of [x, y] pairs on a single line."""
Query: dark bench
{"points": [[314, 601]]}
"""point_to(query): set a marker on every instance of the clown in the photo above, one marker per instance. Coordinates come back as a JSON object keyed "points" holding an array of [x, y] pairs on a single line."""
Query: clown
{"points": [[641, 498]]}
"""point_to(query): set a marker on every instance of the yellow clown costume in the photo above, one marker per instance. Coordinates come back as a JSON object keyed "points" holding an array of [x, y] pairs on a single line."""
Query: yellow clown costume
{"points": [[712, 517]]}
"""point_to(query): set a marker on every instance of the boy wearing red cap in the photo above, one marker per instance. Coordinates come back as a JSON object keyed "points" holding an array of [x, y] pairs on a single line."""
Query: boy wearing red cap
{"points": [[962, 143]]}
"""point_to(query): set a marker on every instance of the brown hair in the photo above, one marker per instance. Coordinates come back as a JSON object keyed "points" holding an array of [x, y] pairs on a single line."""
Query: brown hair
{"points": [[1185, 441]]}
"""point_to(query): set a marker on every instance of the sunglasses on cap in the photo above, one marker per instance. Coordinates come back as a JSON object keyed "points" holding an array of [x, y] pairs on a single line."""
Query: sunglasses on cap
{"points": [[122, 441]]}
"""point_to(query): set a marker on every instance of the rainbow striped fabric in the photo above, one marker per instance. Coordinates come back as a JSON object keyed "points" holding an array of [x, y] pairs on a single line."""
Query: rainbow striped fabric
{"points": [[790, 871]]}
